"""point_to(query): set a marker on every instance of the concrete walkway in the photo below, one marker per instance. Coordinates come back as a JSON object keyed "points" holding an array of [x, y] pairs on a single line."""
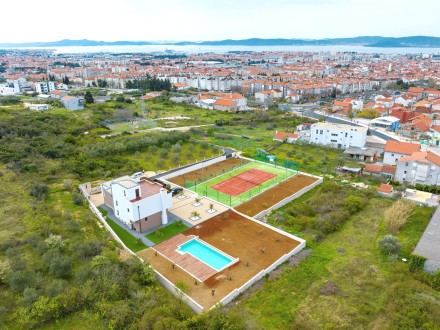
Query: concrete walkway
{"points": [[429, 244]]}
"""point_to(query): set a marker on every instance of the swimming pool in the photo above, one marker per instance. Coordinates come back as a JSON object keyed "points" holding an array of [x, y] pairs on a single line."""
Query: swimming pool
{"points": [[206, 253]]}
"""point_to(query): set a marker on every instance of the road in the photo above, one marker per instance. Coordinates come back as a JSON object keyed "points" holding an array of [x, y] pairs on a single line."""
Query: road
{"points": [[313, 114]]}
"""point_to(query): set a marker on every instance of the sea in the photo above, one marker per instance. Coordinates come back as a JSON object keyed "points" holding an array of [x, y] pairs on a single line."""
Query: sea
{"points": [[194, 49]]}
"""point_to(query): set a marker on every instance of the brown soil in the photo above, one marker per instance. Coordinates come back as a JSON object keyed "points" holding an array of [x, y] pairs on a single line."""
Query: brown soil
{"points": [[276, 194], [256, 246], [207, 171]]}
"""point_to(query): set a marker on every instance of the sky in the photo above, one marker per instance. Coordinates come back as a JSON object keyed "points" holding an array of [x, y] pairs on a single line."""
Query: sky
{"points": [[197, 20]]}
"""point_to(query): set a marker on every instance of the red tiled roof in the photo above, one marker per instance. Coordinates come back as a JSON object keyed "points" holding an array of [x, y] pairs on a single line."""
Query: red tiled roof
{"points": [[433, 158], [389, 169], [400, 147], [415, 90], [283, 135], [373, 168], [385, 188], [225, 103]]}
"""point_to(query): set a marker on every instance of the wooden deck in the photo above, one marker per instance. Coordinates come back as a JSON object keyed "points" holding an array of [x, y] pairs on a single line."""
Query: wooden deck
{"points": [[186, 261]]}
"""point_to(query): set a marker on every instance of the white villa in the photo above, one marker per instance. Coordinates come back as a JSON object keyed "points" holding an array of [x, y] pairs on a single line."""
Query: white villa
{"points": [[138, 203]]}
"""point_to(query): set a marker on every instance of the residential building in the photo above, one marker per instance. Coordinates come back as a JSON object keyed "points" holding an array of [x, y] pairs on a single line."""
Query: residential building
{"points": [[136, 202], [44, 87], [57, 94], [385, 190], [37, 107], [388, 122], [379, 169], [285, 137], [72, 103], [362, 154], [394, 150], [9, 89], [225, 105], [421, 167], [338, 135]]}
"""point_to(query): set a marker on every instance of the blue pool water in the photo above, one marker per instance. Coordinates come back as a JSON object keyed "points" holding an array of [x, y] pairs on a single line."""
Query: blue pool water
{"points": [[205, 254]]}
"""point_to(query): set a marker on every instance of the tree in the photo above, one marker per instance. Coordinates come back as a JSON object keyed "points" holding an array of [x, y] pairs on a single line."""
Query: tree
{"points": [[88, 97], [389, 244]]}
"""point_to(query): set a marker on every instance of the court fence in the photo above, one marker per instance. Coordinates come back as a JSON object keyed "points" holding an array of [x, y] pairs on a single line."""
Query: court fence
{"points": [[278, 162], [207, 176], [230, 200]]}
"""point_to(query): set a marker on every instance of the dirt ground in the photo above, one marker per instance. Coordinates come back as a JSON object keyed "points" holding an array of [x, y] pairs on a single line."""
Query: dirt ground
{"points": [[276, 194], [256, 246], [207, 171]]}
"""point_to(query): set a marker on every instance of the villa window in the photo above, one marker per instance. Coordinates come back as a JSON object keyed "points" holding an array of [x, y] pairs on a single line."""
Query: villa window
{"points": [[116, 203], [128, 210], [117, 212], [125, 194]]}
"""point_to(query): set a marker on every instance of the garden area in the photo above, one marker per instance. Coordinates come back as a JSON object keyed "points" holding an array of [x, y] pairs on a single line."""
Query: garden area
{"points": [[163, 233]]}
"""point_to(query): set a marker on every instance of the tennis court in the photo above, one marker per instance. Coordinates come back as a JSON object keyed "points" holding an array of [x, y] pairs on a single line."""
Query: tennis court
{"points": [[243, 182], [240, 184]]}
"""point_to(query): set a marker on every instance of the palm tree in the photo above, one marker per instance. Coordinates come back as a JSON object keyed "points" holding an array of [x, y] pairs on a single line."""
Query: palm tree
{"points": [[211, 206], [195, 214], [197, 200]]}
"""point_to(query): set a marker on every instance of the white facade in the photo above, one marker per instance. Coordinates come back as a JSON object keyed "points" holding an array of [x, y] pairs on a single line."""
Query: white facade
{"points": [[134, 200], [9, 89], [43, 87], [338, 135], [38, 107]]}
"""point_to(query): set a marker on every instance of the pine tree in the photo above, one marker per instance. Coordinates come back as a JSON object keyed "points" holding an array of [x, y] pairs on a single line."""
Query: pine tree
{"points": [[88, 97]]}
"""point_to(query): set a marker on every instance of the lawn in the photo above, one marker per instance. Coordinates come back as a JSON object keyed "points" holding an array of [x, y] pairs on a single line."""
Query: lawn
{"points": [[129, 240], [203, 188], [346, 282], [164, 233]]}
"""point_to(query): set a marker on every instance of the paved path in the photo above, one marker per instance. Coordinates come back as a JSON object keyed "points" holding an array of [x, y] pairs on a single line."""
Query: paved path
{"points": [[429, 244]]}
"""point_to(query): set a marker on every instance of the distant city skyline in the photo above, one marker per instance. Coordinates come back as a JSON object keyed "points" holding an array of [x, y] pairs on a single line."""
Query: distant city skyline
{"points": [[202, 20]]}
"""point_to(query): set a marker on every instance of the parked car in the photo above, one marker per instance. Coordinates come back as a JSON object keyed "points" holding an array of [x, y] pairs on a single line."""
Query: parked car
{"points": [[176, 190]]}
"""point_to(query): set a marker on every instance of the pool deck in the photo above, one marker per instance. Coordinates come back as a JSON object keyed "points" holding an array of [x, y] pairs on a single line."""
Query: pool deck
{"points": [[185, 261]]}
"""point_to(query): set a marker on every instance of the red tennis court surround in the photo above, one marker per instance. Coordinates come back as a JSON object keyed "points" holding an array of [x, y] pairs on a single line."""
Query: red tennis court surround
{"points": [[243, 182]]}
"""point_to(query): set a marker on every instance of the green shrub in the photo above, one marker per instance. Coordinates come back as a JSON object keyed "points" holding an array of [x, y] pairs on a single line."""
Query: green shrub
{"points": [[389, 244], [77, 199], [39, 190], [416, 262]]}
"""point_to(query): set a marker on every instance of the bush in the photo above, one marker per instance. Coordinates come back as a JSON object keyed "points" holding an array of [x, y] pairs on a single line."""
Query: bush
{"points": [[389, 244], [39, 190], [77, 199], [60, 266], [21, 280], [416, 262], [30, 295], [397, 215], [5, 269], [54, 241]]}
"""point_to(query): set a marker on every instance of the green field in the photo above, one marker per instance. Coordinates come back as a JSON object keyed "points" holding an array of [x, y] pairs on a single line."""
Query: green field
{"points": [[203, 188]]}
